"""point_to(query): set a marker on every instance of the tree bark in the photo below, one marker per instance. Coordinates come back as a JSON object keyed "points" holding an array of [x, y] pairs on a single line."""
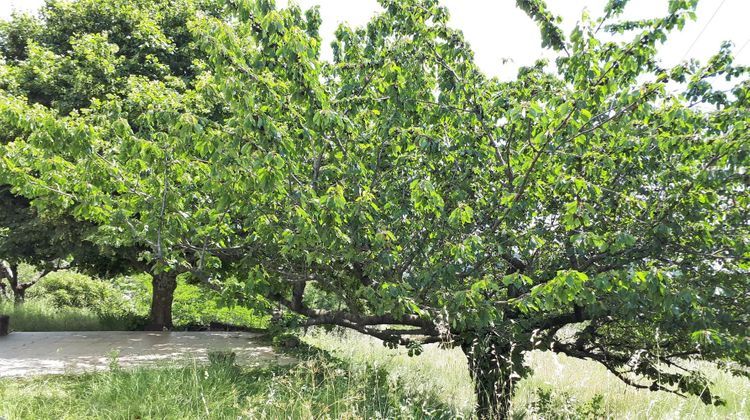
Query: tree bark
{"points": [[10, 272], [164, 285], [4, 325], [19, 294], [495, 368]]}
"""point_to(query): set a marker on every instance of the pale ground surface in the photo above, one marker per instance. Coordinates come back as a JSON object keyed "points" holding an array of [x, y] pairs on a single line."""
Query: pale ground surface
{"points": [[37, 353]]}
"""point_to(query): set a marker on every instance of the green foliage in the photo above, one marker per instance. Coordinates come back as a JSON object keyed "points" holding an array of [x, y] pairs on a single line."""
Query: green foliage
{"points": [[74, 290], [551, 405], [552, 35], [77, 51], [412, 190]]}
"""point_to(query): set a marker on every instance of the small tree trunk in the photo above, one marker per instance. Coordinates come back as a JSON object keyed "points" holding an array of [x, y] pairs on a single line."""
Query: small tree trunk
{"points": [[18, 290], [495, 369], [164, 285]]}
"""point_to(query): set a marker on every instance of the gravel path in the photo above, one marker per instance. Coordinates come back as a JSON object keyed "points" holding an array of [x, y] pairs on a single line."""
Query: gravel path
{"points": [[40, 353]]}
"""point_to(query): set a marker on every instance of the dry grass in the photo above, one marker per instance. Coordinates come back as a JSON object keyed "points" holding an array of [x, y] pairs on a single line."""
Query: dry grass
{"points": [[443, 373]]}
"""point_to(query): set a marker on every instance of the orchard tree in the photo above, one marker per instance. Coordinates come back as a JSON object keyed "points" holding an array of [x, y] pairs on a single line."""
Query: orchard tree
{"points": [[607, 195], [597, 208], [77, 58], [23, 240]]}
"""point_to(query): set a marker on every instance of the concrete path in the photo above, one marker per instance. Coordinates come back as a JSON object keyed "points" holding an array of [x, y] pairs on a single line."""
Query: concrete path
{"points": [[41, 353]]}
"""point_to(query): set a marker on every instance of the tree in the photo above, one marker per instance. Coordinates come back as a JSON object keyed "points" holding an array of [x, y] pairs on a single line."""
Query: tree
{"points": [[23, 245], [420, 194], [69, 59], [430, 203], [50, 245]]}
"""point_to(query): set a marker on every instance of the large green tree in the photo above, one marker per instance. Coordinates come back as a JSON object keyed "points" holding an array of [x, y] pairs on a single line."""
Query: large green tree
{"points": [[69, 59], [596, 208]]}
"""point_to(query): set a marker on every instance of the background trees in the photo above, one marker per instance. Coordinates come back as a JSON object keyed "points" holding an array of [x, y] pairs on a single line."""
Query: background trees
{"points": [[597, 208]]}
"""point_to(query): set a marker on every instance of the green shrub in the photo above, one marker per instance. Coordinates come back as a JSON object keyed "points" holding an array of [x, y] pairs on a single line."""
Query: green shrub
{"points": [[552, 405], [73, 290], [70, 291]]}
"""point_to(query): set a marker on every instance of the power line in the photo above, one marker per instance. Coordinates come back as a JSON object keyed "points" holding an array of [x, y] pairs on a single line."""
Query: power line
{"points": [[742, 48], [704, 29]]}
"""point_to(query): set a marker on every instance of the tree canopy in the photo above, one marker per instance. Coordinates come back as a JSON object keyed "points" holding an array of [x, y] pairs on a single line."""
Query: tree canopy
{"points": [[69, 60], [597, 207]]}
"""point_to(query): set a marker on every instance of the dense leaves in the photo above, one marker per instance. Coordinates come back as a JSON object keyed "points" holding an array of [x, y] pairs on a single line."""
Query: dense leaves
{"points": [[410, 190], [92, 61]]}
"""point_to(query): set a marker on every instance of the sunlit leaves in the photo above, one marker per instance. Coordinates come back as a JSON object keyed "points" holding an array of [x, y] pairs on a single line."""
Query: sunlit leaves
{"points": [[402, 181]]}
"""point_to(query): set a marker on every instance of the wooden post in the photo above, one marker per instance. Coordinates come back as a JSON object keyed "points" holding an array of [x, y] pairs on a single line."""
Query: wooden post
{"points": [[4, 325]]}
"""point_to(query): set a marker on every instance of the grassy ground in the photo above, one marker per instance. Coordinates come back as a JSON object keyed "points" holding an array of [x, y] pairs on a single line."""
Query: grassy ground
{"points": [[573, 386], [315, 388], [356, 377]]}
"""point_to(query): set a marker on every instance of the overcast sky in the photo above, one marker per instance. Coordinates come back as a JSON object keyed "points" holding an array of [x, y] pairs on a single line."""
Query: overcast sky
{"points": [[497, 30]]}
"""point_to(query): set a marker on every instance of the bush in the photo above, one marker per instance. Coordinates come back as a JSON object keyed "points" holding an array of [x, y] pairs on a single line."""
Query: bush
{"points": [[73, 290], [551, 405], [70, 301]]}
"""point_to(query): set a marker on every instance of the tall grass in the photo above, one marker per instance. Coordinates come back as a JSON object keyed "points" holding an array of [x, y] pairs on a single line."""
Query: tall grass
{"points": [[440, 372], [318, 387], [571, 382], [355, 378], [39, 315], [583, 380]]}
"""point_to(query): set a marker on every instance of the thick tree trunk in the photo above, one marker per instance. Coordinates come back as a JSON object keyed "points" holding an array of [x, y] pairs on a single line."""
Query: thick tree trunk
{"points": [[495, 368], [4, 325], [164, 285], [19, 294]]}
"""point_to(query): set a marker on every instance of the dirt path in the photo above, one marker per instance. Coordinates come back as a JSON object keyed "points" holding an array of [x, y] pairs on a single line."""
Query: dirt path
{"points": [[24, 354]]}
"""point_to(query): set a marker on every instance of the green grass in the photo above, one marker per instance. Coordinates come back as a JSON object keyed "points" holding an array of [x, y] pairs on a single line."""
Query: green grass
{"points": [[39, 315], [575, 383], [318, 387], [353, 377]]}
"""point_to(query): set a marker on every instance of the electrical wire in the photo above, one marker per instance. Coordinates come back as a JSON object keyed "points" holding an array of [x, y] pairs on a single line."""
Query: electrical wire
{"points": [[704, 29]]}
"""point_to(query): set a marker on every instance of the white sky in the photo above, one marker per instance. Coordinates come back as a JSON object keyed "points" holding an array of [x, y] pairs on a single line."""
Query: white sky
{"points": [[496, 29]]}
